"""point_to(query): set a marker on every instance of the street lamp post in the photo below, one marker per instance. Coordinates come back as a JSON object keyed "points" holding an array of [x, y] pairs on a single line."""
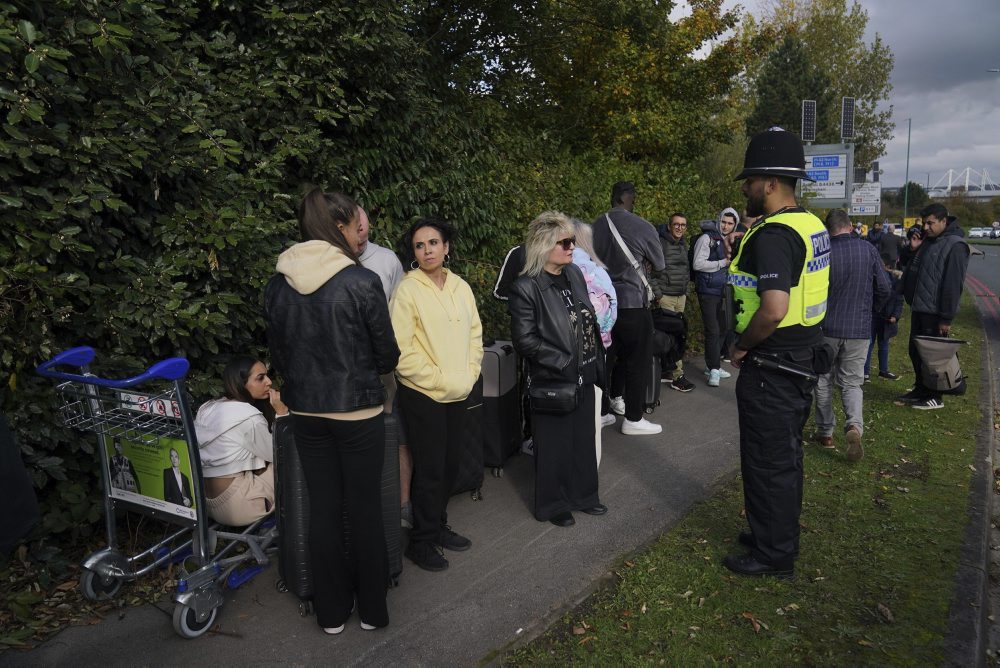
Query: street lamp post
{"points": [[906, 184]]}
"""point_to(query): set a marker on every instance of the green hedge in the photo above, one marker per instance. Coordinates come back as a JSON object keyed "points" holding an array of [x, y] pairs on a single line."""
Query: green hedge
{"points": [[151, 155]]}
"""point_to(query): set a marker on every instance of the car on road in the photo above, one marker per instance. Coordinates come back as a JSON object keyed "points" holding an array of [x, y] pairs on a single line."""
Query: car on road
{"points": [[995, 233], [978, 232]]}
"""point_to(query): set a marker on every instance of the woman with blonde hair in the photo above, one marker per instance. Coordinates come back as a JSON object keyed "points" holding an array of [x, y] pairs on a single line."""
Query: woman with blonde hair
{"points": [[555, 329]]}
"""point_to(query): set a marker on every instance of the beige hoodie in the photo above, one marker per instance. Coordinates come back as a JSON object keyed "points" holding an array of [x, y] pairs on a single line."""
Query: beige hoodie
{"points": [[307, 266], [439, 334]]}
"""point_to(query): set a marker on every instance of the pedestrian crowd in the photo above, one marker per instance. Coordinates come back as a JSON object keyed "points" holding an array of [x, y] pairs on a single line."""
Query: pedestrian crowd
{"points": [[357, 331]]}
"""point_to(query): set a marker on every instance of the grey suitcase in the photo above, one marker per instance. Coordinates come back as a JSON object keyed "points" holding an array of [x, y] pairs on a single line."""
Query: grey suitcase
{"points": [[501, 405]]}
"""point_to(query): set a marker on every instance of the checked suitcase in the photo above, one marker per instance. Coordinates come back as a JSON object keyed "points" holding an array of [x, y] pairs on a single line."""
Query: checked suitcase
{"points": [[291, 493], [501, 405]]}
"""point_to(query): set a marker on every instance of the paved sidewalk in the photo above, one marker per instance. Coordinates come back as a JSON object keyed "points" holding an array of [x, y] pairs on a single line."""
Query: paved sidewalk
{"points": [[519, 575]]}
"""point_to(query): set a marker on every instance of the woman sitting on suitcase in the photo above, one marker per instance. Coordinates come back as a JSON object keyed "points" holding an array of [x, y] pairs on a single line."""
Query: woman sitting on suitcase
{"points": [[555, 329], [330, 338], [440, 340], [234, 438]]}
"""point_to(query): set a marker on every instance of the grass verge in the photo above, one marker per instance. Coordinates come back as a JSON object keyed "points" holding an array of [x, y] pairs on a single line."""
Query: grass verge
{"points": [[879, 553]]}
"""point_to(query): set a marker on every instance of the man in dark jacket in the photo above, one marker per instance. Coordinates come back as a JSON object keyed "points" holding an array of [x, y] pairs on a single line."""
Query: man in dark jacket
{"points": [[857, 284], [932, 286], [670, 284], [632, 335]]}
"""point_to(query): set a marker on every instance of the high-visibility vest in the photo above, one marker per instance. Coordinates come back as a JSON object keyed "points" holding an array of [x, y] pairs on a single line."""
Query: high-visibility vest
{"points": [[807, 300]]}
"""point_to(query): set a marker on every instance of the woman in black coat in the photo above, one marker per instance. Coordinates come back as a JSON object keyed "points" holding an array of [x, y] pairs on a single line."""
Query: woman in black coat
{"points": [[555, 330]]}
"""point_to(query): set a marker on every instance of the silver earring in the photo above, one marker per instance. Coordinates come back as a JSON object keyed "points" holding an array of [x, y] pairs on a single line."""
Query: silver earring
{"points": [[447, 259], [414, 264]]}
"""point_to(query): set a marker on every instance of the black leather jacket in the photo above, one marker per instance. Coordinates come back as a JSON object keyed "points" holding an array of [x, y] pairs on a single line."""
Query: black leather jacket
{"points": [[331, 346], [541, 329]]}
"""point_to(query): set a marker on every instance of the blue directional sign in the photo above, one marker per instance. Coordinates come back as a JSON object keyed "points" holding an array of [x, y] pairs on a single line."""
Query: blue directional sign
{"points": [[826, 161]]}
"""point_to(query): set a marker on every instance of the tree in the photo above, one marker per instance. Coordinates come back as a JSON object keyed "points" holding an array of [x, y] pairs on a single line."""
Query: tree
{"points": [[914, 196], [787, 77], [833, 33]]}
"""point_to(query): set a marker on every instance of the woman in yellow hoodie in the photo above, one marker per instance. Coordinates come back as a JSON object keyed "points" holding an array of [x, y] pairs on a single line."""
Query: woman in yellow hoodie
{"points": [[440, 341]]}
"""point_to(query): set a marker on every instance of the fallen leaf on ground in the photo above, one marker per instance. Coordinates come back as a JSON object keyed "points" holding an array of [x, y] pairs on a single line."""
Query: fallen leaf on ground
{"points": [[584, 641], [756, 623], [885, 612], [866, 643], [578, 630]]}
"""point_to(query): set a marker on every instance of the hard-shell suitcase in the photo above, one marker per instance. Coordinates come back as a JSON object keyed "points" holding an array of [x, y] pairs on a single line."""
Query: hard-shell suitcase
{"points": [[652, 398], [470, 468], [292, 510], [501, 405], [390, 500]]}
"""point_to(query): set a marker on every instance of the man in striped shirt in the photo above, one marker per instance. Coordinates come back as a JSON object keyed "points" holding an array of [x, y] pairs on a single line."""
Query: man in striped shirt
{"points": [[857, 285]]}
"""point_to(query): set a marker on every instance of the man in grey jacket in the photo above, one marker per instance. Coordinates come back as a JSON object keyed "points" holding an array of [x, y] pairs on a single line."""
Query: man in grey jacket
{"points": [[632, 335]]}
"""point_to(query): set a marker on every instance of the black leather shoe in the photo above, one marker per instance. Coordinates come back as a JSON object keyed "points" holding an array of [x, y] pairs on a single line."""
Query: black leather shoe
{"points": [[746, 564], [746, 538], [599, 509], [563, 520]]}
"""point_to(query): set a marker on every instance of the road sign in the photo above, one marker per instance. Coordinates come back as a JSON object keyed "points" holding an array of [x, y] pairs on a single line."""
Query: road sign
{"points": [[866, 199], [830, 175]]}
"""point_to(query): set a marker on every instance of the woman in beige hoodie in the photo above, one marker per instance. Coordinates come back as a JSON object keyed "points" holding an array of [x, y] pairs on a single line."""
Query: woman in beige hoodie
{"points": [[440, 341]]}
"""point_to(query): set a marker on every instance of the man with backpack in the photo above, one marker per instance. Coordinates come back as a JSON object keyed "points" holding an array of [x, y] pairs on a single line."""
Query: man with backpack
{"points": [[710, 256]]}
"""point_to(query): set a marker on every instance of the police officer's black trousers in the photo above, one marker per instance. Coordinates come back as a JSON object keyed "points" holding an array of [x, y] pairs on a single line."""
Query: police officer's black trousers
{"points": [[773, 409]]}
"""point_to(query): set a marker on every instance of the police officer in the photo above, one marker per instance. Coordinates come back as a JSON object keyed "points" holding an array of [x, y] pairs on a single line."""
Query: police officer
{"points": [[779, 280]]}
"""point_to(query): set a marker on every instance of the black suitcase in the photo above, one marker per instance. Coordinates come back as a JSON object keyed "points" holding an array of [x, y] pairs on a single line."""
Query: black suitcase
{"points": [[652, 398], [292, 510], [470, 468], [390, 500], [501, 405]]}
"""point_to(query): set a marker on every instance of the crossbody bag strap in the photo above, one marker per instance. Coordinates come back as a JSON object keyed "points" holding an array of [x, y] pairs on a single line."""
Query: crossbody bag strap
{"points": [[631, 258]]}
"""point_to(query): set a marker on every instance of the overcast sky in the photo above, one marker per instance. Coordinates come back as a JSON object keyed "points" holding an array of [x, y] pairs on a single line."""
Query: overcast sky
{"points": [[943, 52]]}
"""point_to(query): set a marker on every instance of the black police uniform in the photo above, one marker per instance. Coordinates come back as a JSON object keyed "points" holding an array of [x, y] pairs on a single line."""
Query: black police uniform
{"points": [[773, 407]]}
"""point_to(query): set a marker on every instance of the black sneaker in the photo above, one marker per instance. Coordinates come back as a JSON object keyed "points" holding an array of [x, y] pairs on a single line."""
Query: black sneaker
{"points": [[888, 375], [450, 540], [682, 384], [928, 404], [911, 397], [426, 555]]}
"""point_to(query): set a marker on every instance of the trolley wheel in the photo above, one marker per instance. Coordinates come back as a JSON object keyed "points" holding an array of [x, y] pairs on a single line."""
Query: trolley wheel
{"points": [[305, 608], [186, 622], [280, 585], [497, 471], [94, 587], [477, 494]]}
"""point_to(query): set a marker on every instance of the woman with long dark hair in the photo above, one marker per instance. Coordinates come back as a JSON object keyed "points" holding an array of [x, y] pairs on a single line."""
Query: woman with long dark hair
{"points": [[234, 437], [440, 339], [555, 329], [330, 339]]}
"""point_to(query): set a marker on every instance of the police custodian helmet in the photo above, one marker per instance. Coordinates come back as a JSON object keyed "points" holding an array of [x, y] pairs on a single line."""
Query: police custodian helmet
{"points": [[775, 152]]}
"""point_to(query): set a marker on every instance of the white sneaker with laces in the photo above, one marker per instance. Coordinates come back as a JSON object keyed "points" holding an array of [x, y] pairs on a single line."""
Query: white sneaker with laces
{"points": [[642, 427], [617, 405], [607, 419], [713, 378], [723, 374]]}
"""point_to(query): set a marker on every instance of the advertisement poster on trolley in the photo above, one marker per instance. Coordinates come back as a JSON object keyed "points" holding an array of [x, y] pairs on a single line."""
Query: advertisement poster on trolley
{"points": [[150, 471]]}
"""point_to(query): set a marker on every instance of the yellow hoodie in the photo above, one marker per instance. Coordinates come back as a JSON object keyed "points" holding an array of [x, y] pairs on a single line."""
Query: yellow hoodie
{"points": [[439, 334]]}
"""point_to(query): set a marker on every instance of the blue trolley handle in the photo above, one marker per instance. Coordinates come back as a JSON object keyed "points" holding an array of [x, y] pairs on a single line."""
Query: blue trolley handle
{"points": [[172, 368]]}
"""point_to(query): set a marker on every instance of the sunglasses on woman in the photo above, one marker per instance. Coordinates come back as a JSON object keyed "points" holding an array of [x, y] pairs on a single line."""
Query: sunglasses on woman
{"points": [[566, 243]]}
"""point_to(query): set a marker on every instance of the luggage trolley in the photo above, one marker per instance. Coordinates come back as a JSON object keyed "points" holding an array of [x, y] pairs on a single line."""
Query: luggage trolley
{"points": [[150, 464]]}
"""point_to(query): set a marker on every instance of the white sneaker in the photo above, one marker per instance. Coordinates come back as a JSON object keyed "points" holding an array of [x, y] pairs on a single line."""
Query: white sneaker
{"points": [[367, 627], [713, 378], [642, 427], [334, 630], [723, 374], [607, 419], [617, 405]]}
